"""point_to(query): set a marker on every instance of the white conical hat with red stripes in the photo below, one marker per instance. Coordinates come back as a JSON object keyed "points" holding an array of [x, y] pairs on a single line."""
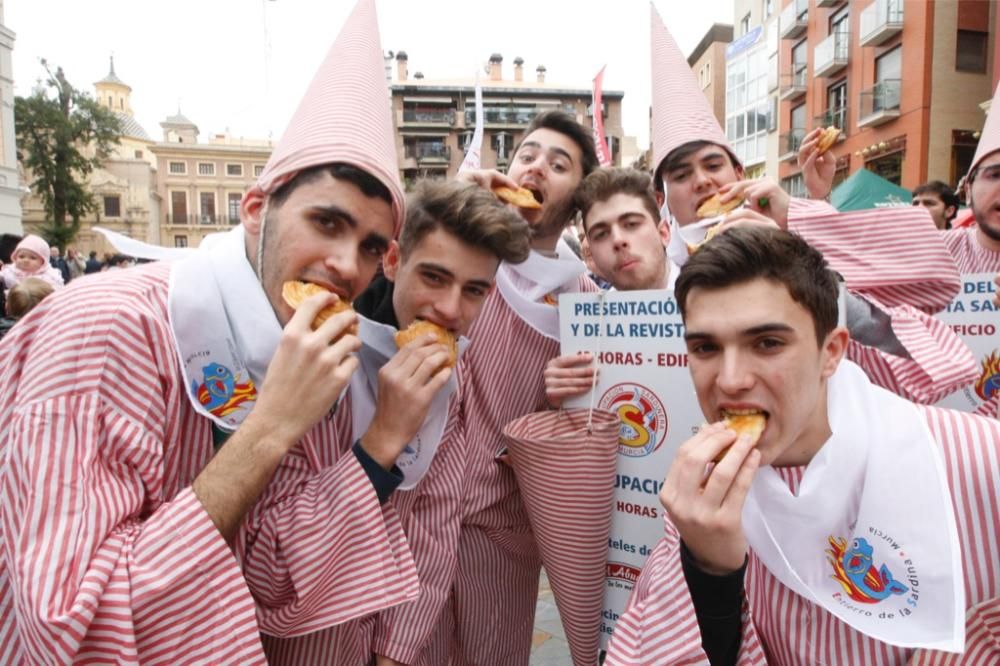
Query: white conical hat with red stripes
{"points": [[989, 139], [344, 115], [681, 112]]}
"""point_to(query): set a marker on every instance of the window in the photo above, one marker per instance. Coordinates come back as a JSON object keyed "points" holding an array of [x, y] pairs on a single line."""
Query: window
{"points": [[767, 8], [794, 185], [178, 167], [970, 51], [234, 169], [839, 22], [888, 166], [206, 169], [747, 102], [178, 207], [257, 170], [180, 241], [503, 144], [112, 206], [889, 66], [836, 105], [745, 24], [138, 154], [207, 200], [233, 200], [798, 117]]}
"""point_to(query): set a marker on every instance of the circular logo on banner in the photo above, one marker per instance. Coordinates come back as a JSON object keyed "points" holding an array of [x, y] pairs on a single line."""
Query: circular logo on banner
{"points": [[642, 418]]}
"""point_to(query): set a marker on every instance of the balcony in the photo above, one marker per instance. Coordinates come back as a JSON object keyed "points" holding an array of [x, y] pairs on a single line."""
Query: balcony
{"points": [[431, 117], [881, 21], [880, 103], [793, 85], [833, 117], [830, 55], [519, 116], [428, 153], [789, 144], [793, 19]]}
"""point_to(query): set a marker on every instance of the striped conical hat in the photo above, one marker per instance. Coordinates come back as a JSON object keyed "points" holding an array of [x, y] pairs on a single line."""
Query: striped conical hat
{"points": [[344, 115]]}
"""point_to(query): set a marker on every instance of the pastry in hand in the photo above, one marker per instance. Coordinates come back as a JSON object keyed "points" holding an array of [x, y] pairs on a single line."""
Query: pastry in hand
{"points": [[744, 422], [442, 335], [521, 197], [294, 292]]}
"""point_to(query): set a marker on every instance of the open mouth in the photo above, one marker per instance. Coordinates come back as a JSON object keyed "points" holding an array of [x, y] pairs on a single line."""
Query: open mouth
{"points": [[749, 421], [535, 192]]}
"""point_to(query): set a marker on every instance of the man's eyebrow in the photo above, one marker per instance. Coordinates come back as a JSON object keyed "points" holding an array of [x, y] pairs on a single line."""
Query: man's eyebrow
{"points": [[437, 268], [770, 327]]}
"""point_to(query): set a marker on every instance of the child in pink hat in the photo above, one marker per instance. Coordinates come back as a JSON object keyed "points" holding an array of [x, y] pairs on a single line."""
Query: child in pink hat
{"points": [[30, 259]]}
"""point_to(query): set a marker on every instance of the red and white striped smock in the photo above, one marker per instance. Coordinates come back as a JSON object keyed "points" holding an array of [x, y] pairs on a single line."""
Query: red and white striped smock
{"points": [[780, 627], [107, 554], [294, 515], [491, 613], [907, 279]]}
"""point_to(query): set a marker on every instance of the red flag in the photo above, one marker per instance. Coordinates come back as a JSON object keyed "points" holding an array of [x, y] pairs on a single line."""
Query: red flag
{"points": [[600, 145]]}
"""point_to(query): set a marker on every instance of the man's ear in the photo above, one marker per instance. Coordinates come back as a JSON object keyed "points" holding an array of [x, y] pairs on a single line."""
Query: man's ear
{"points": [[252, 210], [949, 213], [664, 230], [834, 348], [660, 198], [391, 261], [740, 172]]}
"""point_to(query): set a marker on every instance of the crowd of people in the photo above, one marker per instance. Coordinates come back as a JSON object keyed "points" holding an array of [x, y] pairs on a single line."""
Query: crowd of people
{"points": [[197, 470]]}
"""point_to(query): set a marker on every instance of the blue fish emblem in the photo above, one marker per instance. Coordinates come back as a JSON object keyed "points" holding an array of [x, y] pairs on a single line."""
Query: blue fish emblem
{"points": [[219, 385], [876, 585]]}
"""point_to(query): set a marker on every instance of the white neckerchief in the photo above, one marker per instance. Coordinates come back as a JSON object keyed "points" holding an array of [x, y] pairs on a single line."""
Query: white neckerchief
{"points": [[378, 346], [532, 287], [224, 327], [680, 237], [879, 478]]}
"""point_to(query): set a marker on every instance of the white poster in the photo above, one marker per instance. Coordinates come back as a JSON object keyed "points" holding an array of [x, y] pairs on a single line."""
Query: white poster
{"points": [[975, 319], [638, 338]]}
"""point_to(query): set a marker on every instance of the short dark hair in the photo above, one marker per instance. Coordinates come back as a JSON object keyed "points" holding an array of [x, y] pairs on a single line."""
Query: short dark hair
{"points": [[682, 152], [468, 212], [743, 254], [565, 124], [942, 191], [369, 185], [604, 183]]}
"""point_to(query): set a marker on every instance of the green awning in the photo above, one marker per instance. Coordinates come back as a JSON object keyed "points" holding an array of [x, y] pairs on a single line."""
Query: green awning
{"points": [[864, 190]]}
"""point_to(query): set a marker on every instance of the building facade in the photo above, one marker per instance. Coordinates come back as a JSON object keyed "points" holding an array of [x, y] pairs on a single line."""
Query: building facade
{"points": [[844, 63], [435, 120], [11, 188], [124, 186], [201, 185], [708, 62]]}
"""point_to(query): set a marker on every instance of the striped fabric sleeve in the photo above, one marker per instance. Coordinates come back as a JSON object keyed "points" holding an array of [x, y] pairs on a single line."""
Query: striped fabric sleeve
{"points": [[90, 576], [318, 549], [659, 625], [432, 526], [982, 640], [896, 255], [939, 364]]}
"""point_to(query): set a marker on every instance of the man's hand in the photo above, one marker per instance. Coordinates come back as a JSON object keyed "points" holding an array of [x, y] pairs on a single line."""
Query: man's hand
{"points": [[568, 377], [309, 370], [762, 196], [305, 377], [817, 170], [407, 384], [745, 217], [708, 511], [486, 178]]}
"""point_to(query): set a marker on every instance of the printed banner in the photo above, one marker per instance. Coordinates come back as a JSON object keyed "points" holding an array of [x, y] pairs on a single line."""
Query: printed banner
{"points": [[600, 144], [974, 318], [638, 339], [474, 150]]}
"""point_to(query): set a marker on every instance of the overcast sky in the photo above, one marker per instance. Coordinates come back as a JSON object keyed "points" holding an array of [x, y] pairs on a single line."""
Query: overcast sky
{"points": [[242, 65]]}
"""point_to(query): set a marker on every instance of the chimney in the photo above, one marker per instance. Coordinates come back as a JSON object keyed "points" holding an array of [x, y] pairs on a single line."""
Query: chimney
{"points": [[519, 69], [541, 73], [496, 67], [401, 65]]}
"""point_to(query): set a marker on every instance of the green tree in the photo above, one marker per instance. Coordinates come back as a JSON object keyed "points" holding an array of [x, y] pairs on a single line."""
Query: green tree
{"points": [[62, 136]]}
